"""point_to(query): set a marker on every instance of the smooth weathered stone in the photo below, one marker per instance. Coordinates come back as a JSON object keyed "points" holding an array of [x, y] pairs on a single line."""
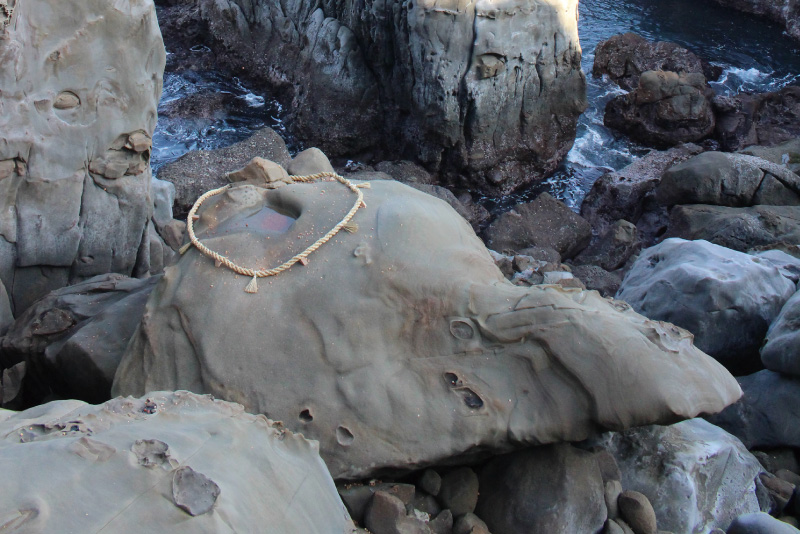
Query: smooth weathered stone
{"points": [[431, 482], [309, 161], [456, 340], [555, 488], [386, 514], [727, 299], [786, 154], [781, 350], [695, 475], [637, 511], [760, 523], [358, 497], [768, 415], [459, 491], [64, 463], [75, 180], [469, 523]]}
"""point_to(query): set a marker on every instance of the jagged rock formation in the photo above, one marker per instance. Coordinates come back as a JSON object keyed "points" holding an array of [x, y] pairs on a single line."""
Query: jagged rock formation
{"points": [[401, 331], [487, 92], [80, 83]]}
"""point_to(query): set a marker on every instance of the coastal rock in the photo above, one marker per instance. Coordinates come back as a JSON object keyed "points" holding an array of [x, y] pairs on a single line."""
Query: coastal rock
{"points": [[556, 488], [786, 154], [785, 12], [202, 170], [765, 119], [73, 339], [613, 248], [545, 222], [75, 141], [402, 330], [760, 523], [470, 88], [626, 56], [696, 476], [739, 229], [736, 180], [768, 415], [781, 350], [666, 109], [727, 299], [204, 466]]}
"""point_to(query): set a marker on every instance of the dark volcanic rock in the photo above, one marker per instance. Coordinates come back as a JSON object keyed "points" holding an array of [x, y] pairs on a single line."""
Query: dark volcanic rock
{"points": [[665, 109], [757, 119]]}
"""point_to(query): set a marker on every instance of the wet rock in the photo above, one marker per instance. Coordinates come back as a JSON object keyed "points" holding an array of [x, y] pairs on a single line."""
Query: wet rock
{"points": [[759, 523], [695, 475], [432, 285], [626, 56], [637, 511], [71, 455], [556, 488], [780, 351], [765, 119], [73, 339], [472, 61], [545, 222], [739, 229], [75, 179], [459, 491], [197, 172], [666, 109], [613, 248], [727, 299], [611, 492], [768, 415]]}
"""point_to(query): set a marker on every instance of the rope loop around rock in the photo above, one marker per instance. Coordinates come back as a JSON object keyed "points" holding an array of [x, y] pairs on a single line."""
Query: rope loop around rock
{"points": [[252, 287]]}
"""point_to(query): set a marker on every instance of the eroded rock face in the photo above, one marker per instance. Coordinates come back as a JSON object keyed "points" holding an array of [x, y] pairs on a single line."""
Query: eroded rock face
{"points": [[400, 331], [80, 84], [189, 464], [467, 87]]}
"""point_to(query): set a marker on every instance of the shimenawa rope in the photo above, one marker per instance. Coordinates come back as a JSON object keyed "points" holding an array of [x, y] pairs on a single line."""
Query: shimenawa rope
{"points": [[252, 287]]}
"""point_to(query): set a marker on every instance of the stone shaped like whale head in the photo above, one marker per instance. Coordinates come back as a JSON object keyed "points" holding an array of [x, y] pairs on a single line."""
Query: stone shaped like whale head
{"points": [[402, 345]]}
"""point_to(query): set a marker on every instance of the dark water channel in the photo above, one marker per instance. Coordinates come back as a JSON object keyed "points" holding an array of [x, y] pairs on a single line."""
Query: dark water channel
{"points": [[755, 55]]}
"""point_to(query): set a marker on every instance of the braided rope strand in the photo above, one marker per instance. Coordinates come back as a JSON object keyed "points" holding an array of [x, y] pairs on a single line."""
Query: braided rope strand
{"points": [[302, 256]]}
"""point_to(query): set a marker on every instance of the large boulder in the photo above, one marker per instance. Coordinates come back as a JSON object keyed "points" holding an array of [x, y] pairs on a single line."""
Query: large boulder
{"points": [[556, 488], [764, 119], [768, 415], [729, 180], [545, 222], [739, 229], [781, 350], [401, 331], [727, 299], [696, 475], [470, 88], [624, 58], [170, 462], [81, 82], [73, 339], [666, 109]]}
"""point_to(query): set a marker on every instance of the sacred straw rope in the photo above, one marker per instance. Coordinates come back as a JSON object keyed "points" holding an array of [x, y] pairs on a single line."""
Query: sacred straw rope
{"points": [[252, 287]]}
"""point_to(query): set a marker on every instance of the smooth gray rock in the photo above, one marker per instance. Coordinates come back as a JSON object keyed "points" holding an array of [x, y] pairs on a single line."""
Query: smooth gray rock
{"points": [[727, 299], [638, 513], [768, 415], [75, 136], [309, 161], [459, 491], [545, 222], [470, 88], [386, 514], [456, 340], [781, 350], [696, 476], [213, 468], [555, 488], [739, 229], [760, 523]]}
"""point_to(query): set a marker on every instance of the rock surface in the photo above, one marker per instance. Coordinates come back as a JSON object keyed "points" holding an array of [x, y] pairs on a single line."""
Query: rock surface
{"points": [[666, 109], [75, 136], [468, 87], [696, 475], [786, 154], [768, 415], [785, 12], [556, 488], [73, 339], [781, 350], [764, 119], [727, 299], [760, 523], [456, 341], [189, 464]]}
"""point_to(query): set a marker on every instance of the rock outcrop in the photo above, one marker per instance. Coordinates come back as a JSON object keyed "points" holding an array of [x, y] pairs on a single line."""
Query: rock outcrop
{"points": [[480, 89], [764, 119], [81, 81], [400, 331], [170, 462]]}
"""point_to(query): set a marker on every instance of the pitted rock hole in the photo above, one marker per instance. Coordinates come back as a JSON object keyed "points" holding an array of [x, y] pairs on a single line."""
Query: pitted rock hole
{"points": [[66, 100], [306, 416], [471, 399], [462, 329], [344, 436]]}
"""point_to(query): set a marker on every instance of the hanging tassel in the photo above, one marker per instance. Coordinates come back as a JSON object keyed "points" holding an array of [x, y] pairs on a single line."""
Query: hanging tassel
{"points": [[364, 185], [252, 287], [350, 227], [185, 248]]}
